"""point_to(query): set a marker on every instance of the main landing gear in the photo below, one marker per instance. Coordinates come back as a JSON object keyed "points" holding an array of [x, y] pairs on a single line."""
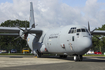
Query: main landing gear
{"points": [[63, 56], [78, 58], [37, 54]]}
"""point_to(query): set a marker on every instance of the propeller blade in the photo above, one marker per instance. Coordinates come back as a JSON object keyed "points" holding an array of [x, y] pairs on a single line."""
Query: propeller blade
{"points": [[93, 31], [25, 26], [97, 37], [30, 29], [20, 29], [18, 37], [88, 26]]}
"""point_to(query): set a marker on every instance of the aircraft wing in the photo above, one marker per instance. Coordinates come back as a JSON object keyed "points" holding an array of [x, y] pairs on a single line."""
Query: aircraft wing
{"points": [[9, 31], [14, 31], [9, 34], [98, 32]]}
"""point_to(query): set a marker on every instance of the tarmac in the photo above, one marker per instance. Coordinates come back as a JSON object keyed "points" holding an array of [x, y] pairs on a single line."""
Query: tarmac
{"points": [[29, 62]]}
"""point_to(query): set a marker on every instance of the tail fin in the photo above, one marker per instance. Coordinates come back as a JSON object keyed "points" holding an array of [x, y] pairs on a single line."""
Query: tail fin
{"points": [[32, 21]]}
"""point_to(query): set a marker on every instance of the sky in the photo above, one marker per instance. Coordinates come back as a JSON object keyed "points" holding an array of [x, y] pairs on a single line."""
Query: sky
{"points": [[55, 13]]}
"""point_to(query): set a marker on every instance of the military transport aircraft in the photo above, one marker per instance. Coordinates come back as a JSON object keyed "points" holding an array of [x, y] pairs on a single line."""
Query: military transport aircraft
{"points": [[72, 40]]}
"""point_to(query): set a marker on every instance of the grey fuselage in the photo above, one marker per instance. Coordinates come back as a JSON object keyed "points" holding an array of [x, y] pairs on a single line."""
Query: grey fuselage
{"points": [[68, 40]]}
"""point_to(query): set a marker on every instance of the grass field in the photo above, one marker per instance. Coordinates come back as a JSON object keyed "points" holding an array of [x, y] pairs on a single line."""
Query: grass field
{"points": [[94, 55]]}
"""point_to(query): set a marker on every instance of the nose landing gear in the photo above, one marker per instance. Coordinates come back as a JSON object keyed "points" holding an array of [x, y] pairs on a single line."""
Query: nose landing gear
{"points": [[78, 58]]}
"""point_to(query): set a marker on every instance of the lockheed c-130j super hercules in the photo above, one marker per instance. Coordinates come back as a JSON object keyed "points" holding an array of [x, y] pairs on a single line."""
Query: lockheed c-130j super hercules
{"points": [[72, 40]]}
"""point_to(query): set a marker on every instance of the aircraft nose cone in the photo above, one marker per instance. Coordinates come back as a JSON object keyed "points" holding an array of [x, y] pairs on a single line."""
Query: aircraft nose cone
{"points": [[84, 45], [87, 42]]}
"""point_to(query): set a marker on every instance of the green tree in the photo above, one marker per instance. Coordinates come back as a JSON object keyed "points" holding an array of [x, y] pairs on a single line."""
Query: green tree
{"points": [[8, 42], [99, 41]]}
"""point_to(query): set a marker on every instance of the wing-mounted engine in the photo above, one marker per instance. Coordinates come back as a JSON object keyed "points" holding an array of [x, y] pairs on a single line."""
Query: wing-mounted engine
{"points": [[21, 35]]}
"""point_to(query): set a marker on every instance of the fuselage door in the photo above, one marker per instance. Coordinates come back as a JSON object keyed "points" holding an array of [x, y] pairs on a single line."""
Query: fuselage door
{"points": [[72, 39]]}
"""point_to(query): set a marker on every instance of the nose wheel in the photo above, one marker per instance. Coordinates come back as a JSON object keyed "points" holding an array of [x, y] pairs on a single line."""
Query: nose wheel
{"points": [[78, 58]]}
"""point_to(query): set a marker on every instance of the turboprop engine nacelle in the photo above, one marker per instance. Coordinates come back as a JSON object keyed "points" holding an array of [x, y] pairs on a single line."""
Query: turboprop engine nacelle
{"points": [[21, 34]]}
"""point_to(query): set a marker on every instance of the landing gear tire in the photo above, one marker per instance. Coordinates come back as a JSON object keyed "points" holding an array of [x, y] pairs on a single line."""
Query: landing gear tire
{"points": [[39, 54], [78, 58], [63, 56]]}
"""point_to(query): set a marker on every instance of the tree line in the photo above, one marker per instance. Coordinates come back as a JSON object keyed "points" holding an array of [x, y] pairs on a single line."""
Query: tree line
{"points": [[8, 42]]}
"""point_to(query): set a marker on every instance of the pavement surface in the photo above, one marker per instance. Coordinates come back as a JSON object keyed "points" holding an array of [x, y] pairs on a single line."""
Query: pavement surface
{"points": [[29, 62]]}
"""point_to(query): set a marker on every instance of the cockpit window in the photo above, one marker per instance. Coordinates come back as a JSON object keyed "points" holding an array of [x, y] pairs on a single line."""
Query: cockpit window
{"points": [[78, 30], [83, 30], [72, 30]]}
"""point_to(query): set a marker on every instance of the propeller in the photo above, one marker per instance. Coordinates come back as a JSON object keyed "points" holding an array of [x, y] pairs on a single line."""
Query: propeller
{"points": [[24, 32], [89, 28]]}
